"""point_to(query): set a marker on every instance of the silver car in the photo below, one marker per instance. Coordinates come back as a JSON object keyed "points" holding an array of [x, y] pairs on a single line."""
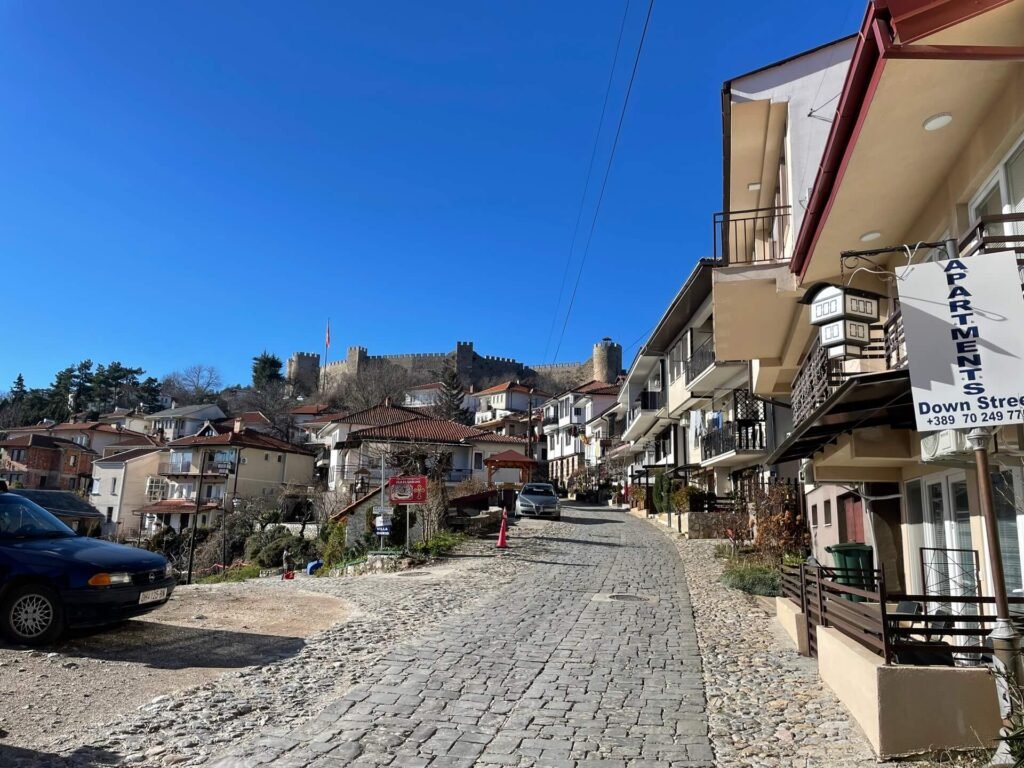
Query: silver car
{"points": [[538, 500]]}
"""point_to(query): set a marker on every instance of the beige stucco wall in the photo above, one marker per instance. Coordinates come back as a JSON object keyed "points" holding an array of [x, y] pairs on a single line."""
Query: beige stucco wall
{"points": [[137, 473], [258, 473], [792, 621], [904, 709]]}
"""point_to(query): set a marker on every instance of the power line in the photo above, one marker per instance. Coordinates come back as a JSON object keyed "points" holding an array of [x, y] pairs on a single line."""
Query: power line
{"points": [[607, 173], [586, 185]]}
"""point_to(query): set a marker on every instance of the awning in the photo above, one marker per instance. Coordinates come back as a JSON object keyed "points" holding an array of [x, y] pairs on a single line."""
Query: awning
{"points": [[864, 400]]}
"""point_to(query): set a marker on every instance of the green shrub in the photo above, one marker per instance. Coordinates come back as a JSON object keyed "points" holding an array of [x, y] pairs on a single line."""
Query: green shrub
{"points": [[755, 578], [441, 544], [266, 548], [236, 573], [334, 544], [724, 551]]}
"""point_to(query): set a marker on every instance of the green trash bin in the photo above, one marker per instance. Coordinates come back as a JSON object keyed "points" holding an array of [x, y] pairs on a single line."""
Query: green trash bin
{"points": [[857, 562]]}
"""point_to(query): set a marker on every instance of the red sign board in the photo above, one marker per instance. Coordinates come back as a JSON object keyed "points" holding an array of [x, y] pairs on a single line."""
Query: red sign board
{"points": [[408, 489]]}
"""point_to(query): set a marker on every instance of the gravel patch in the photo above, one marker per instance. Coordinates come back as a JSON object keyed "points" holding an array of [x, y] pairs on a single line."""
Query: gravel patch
{"points": [[766, 704]]}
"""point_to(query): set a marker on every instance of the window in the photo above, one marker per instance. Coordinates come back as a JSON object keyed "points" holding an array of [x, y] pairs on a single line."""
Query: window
{"points": [[266, 457], [279, 457], [827, 510], [73, 460], [95, 486], [478, 460], [113, 486], [814, 515], [1003, 193], [577, 412], [110, 514], [675, 361], [18, 454]]}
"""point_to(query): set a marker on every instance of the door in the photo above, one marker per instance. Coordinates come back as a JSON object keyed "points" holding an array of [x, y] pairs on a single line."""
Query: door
{"points": [[949, 561], [852, 519]]}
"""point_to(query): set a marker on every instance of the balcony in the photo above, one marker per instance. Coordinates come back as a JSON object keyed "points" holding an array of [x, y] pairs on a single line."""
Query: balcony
{"points": [[754, 236], [185, 468], [642, 415], [1004, 232], [704, 374], [733, 443]]}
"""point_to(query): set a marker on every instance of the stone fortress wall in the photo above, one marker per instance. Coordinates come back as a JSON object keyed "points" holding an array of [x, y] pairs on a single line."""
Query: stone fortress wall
{"points": [[474, 369]]}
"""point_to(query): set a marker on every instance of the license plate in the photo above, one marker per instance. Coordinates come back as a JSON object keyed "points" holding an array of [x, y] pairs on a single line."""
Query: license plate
{"points": [[152, 596]]}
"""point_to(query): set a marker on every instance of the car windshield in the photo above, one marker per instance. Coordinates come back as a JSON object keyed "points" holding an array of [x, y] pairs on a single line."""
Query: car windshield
{"points": [[538, 490], [24, 519]]}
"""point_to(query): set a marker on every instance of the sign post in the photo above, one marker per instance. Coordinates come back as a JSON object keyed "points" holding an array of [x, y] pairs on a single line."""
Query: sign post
{"points": [[407, 490], [962, 319]]}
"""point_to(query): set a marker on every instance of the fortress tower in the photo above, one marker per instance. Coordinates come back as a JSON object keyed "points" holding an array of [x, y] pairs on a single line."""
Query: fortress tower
{"points": [[607, 360]]}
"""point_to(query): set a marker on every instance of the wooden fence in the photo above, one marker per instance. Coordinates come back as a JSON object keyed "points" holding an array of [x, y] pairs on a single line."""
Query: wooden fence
{"points": [[933, 630]]}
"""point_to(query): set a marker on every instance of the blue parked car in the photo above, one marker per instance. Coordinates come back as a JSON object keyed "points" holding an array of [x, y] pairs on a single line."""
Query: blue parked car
{"points": [[52, 579]]}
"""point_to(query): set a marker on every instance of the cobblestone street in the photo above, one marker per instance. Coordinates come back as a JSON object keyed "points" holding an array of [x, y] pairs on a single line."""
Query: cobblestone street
{"points": [[552, 669]]}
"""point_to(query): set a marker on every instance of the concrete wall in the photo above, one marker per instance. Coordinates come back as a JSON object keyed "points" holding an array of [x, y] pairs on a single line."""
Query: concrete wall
{"points": [[793, 622], [906, 710]]}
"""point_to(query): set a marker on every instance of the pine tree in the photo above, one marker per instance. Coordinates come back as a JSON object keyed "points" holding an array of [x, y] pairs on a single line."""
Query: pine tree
{"points": [[18, 390], [451, 396], [266, 368]]}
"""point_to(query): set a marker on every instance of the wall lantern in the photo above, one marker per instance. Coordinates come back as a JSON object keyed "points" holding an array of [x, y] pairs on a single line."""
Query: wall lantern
{"points": [[844, 317]]}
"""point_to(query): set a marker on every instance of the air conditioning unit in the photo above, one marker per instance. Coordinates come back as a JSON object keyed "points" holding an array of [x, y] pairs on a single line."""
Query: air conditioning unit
{"points": [[807, 472], [948, 446]]}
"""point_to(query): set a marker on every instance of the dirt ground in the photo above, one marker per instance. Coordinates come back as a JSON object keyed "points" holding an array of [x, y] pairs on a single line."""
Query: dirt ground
{"points": [[202, 632]]}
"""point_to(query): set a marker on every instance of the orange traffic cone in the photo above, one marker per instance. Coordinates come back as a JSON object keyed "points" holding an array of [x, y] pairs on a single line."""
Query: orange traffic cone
{"points": [[503, 531]]}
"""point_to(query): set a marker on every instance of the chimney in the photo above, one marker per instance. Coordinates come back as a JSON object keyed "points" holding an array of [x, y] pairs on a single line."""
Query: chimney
{"points": [[238, 424]]}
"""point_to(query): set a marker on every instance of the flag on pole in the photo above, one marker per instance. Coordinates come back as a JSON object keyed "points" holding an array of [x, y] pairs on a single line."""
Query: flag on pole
{"points": [[327, 338]]}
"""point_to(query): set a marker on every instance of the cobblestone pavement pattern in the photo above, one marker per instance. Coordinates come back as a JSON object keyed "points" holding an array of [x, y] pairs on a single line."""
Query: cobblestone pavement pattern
{"points": [[551, 671]]}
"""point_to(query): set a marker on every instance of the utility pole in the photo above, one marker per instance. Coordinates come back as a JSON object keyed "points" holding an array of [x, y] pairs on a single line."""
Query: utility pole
{"points": [[195, 515]]}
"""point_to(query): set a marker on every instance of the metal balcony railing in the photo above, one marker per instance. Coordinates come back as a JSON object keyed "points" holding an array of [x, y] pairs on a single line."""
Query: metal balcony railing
{"points": [[734, 436], [753, 236], [702, 358]]}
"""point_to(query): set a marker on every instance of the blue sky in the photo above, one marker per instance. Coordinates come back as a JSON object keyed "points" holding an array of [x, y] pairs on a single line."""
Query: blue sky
{"points": [[197, 182]]}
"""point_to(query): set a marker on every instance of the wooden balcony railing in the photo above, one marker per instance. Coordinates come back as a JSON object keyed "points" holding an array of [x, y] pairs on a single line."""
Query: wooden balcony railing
{"points": [[1004, 232], [901, 628], [820, 375]]}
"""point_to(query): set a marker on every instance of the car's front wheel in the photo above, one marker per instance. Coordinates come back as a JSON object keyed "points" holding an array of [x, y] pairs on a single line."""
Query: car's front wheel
{"points": [[32, 615]]}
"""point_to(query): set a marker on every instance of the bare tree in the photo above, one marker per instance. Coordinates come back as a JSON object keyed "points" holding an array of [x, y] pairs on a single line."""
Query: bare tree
{"points": [[274, 403], [421, 458], [194, 384], [376, 381]]}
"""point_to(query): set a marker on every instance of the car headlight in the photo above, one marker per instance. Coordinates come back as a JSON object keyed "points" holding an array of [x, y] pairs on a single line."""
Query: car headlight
{"points": [[110, 579], [168, 569], [526, 502]]}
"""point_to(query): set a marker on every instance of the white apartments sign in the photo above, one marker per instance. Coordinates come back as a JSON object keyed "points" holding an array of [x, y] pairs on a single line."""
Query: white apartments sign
{"points": [[964, 326]]}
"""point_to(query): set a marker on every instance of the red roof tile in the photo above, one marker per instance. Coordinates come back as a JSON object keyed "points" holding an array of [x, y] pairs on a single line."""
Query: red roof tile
{"points": [[247, 438], [509, 457], [513, 387], [311, 409], [41, 441], [183, 506], [382, 415], [420, 430], [492, 437]]}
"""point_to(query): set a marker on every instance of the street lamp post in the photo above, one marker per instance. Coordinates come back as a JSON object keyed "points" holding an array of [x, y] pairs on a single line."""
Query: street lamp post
{"points": [[1005, 641]]}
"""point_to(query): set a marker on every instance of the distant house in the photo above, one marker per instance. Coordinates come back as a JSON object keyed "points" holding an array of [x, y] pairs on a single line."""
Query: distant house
{"points": [[95, 435], [124, 483], [356, 458], [175, 423], [423, 396], [505, 399], [565, 419], [204, 472], [44, 461]]}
